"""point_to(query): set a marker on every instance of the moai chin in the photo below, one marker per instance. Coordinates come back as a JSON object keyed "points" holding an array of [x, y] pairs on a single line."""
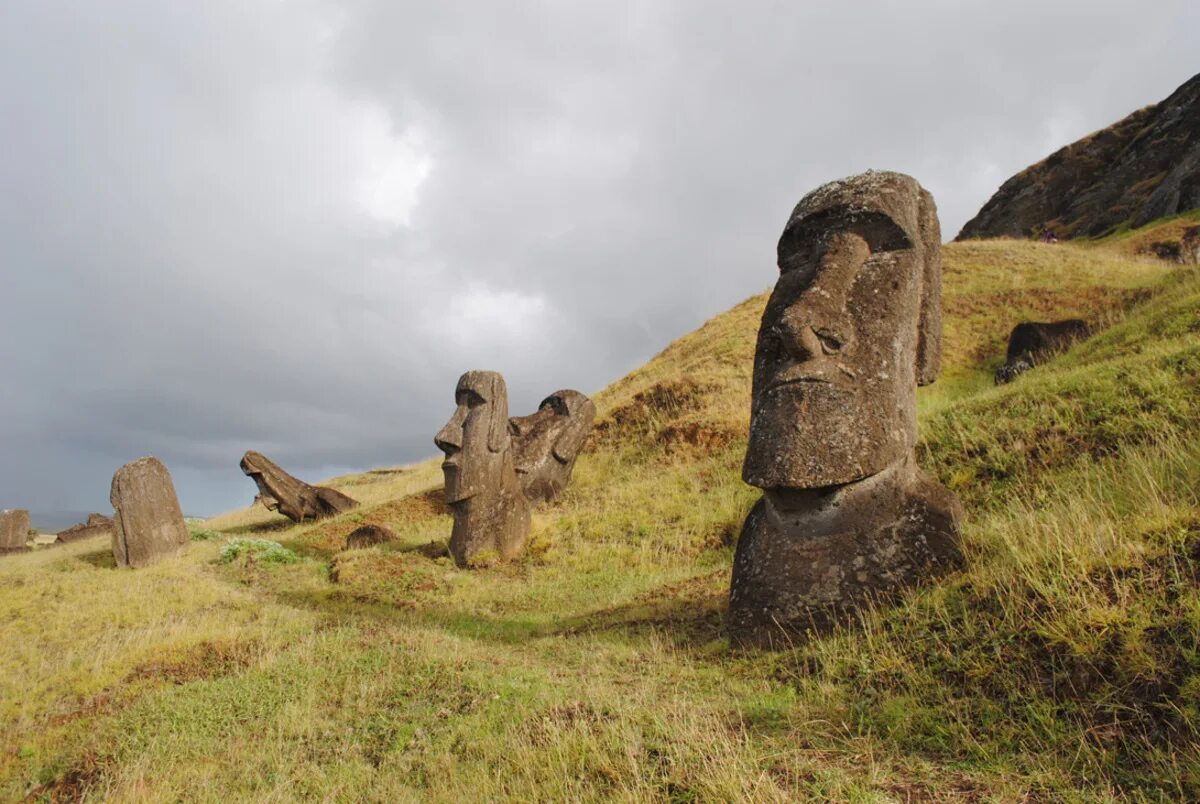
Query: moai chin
{"points": [[851, 329], [546, 443], [491, 514]]}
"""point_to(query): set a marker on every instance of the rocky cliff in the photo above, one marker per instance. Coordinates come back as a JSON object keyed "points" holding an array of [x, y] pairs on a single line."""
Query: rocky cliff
{"points": [[1143, 167]]}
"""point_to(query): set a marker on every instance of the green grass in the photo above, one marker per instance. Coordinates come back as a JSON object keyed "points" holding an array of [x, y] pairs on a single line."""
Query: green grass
{"points": [[1061, 664]]}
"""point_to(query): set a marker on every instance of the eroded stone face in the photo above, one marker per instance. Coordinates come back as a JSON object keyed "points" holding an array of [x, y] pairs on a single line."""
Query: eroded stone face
{"points": [[491, 514], [290, 496], [14, 530], [852, 328], [546, 443], [147, 521], [847, 335]]}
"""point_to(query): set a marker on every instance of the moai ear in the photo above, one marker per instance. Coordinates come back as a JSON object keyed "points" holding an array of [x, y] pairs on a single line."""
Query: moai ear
{"points": [[498, 427], [929, 333], [579, 424]]}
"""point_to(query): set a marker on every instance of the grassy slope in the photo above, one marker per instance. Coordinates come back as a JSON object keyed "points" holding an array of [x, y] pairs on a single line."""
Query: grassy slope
{"points": [[1064, 658]]}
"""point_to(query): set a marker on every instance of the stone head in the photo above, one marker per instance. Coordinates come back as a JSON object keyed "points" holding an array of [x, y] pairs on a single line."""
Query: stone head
{"points": [[851, 329], [476, 439], [546, 443]]}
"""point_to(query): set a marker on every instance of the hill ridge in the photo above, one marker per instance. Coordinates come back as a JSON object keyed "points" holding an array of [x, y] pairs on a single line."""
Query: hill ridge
{"points": [[1141, 168]]}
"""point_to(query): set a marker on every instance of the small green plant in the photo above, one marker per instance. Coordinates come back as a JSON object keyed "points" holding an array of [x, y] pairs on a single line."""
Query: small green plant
{"points": [[203, 534], [267, 552]]}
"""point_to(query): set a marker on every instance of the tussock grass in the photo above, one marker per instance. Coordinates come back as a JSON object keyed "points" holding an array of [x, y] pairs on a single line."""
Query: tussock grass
{"points": [[1061, 663]]}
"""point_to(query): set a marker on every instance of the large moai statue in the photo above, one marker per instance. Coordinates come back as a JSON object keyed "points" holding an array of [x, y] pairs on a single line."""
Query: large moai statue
{"points": [[14, 530], [546, 443], [290, 496], [147, 522], [851, 329], [491, 514]]}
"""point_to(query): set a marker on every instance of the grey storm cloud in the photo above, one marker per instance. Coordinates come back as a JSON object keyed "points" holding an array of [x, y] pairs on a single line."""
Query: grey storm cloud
{"points": [[290, 226]]}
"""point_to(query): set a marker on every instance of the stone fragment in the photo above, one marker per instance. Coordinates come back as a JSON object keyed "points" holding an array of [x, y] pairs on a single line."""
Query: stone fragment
{"points": [[147, 521], [369, 536], [295, 499], [96, 525], [851, 329], [1031, 343], [546, 443], [14, 530], [491, 514]]}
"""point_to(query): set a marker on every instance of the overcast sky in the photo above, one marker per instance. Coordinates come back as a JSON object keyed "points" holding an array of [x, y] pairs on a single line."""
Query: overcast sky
{"points": [[290, 226]]}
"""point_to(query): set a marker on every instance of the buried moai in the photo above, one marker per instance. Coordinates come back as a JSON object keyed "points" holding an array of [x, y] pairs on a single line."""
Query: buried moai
{"points": [[491, 514], [546, 443], [295, 499], [14, 530], [147, 521], [851, 329], [1032, 342]]}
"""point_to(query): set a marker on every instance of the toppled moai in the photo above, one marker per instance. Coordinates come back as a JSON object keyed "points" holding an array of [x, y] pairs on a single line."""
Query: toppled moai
{"points": [[147, 521], [96, 525], [852, 328], [295, 499], [546, 443], [14, 530], [1032, 342], [491, 514]]}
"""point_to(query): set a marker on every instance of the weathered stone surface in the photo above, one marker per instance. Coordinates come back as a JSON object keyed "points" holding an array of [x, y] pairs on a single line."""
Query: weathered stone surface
{"points": [[852, 328], [147, 521], [1141, 168], [491, 514], [1032, 342], [1012, 369], [295, 499], [96, 525], [546, 443], [14, 530], [1189, 246], [369, 536]]}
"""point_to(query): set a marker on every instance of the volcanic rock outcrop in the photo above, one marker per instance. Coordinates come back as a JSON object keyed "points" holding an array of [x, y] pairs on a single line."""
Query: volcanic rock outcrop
{"points": [[147, 521], [491, 513], [96, 525], [851, 329], [14, 530], [1031, 342], [295, 499], [1143, 167], [546, 443]]}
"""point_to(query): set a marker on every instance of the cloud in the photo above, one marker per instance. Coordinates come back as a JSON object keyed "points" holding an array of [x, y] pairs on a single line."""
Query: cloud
{"points": [[291, 226]]}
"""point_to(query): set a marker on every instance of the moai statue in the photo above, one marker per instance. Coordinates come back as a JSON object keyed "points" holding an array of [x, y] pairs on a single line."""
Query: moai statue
{"points": [[491, 515], [290, 496], [14, 530], [546, 443], [96, 525], [851, 329], [147, 521]]}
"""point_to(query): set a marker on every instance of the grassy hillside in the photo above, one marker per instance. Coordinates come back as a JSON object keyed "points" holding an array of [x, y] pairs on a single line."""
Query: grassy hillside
{"points": [[1065, 658]]}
